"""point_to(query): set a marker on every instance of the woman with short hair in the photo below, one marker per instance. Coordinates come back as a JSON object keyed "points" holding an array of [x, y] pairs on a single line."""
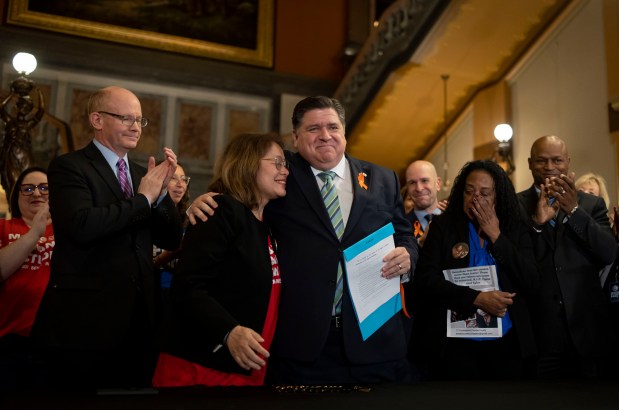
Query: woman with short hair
{"points": [[225, 290]]}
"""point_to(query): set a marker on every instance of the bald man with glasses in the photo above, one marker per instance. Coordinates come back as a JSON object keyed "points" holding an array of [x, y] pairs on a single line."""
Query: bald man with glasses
{"points": [[96, 320]]}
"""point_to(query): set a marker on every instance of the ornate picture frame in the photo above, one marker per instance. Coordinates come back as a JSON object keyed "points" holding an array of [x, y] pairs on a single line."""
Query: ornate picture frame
{"points": [[157, 33]]}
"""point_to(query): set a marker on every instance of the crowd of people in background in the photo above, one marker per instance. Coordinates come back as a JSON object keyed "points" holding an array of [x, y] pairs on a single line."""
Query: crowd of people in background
{"points": [[133, 287]]}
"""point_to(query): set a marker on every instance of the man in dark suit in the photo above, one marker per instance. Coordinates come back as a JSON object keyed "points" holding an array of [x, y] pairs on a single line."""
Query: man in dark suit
{"points": [[572, 242], [318, 340], [95, 322], [423, 185]]}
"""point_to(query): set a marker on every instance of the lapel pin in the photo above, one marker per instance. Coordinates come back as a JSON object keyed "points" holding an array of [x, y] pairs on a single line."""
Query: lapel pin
{"points": [[361, 180], [460, 250], [417, 232]]}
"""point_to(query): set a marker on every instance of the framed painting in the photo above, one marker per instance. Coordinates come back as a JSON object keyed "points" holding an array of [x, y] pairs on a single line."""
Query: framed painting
{"points": [[233, 30]]}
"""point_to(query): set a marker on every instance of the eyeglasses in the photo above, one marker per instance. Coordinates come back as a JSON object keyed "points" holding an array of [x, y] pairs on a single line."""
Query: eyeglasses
{"points": [[28, 189], [279, 162], [184, 179], [127, 120]]}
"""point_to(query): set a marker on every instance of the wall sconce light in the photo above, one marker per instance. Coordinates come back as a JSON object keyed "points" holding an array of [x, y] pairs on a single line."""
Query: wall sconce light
{"points": [[503, 154], [24, 63]]}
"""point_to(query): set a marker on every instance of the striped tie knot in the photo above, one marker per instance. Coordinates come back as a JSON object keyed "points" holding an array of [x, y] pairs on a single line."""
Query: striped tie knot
{"points": [[329, 197], [327, 176]]}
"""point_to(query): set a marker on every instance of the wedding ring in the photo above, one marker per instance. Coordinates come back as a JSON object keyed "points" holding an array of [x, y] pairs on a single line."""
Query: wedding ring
{"points": [[562, 191], [399, 266]]}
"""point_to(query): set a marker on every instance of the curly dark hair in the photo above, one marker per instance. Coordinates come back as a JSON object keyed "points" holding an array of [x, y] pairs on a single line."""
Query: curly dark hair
{"points": [[506, 202]]}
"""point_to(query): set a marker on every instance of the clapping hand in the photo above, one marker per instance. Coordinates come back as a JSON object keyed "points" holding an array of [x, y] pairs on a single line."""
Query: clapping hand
{"points": [[564, 190], [157, 176], [40, 221], [545, 211]]}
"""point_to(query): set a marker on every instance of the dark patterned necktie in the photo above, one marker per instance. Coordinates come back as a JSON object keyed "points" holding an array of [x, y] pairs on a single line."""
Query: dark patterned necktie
{"points": [[123, 179], [552, 222]]}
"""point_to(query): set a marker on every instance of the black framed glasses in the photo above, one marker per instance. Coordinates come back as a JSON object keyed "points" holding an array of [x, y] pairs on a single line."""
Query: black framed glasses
{"points": [[279, 162], [183, 178], [28, 189], [127, 120]]}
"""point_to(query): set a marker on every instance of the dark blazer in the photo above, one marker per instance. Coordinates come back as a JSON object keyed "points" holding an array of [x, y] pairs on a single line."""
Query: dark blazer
{"points": [[570, 257], [309, 252], [223, 279], [412, 218], [433, 294], [103, 252]]}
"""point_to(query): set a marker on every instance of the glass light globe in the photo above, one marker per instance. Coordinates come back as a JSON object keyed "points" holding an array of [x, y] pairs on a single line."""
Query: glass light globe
{"points": [[24, 63], [503, 132]]}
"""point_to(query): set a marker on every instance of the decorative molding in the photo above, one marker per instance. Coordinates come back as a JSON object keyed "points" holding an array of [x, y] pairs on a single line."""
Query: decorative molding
{"points": [[72, 53]]}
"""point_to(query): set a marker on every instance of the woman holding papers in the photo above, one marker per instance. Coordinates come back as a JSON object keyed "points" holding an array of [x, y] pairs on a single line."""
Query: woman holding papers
{"points": [[481, 227], [225, 290]]}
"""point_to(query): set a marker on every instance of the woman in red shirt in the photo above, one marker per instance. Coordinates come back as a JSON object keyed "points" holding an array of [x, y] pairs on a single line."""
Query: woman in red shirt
{"points": [[26, 244]]}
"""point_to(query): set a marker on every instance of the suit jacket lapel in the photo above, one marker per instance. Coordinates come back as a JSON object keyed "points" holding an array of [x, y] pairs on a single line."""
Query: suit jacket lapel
{"points": [[104, 170], [531, 201], [360, 176], [461, 236], [136, 175], [417, 230], [308, 186]]}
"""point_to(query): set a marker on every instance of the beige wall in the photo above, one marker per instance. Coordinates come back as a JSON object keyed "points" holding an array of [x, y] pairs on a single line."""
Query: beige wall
{"points": [[459, 150], [611, 30], [561, 87], [562, 90]]}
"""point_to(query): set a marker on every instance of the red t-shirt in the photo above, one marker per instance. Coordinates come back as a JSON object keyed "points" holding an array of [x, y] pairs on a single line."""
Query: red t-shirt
{"points": [[173, 371], [21, 293]]}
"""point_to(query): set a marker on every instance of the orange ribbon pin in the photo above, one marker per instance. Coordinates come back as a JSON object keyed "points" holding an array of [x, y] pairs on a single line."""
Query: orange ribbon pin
{"points": [[417, 232], [361, 180]]}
